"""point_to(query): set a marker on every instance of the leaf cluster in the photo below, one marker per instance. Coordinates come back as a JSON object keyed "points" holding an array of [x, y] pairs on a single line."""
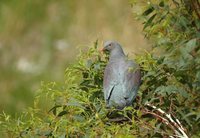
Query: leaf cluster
{"points": [[173, 81]]}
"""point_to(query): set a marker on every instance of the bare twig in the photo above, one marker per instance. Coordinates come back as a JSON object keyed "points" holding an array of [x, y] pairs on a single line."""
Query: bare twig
{"points": [[169, 121], [150, 127]]}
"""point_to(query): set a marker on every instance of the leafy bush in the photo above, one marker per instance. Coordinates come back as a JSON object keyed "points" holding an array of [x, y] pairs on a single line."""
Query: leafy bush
{"points": [[78, 107], [168, 100], [173, 27]]}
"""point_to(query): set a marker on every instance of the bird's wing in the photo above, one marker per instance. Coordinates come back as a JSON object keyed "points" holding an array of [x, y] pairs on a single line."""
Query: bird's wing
{"points": [[110, 81], [132, 80]]}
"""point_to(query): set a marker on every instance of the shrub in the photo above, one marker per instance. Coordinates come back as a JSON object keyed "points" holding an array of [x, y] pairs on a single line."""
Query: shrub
{"points": [[168, 99], [173, 27]]}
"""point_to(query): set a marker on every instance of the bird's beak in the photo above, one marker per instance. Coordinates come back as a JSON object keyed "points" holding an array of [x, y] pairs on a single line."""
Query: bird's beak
{"points": [[102, 50]]}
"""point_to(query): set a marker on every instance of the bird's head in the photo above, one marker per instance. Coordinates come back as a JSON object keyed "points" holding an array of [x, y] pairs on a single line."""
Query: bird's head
{"points": [[110, 45], [113, 49]]}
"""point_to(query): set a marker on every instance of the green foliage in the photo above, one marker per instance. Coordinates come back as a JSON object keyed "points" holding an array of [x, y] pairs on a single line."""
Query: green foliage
{"points": [[77, 108], [171, 82]]}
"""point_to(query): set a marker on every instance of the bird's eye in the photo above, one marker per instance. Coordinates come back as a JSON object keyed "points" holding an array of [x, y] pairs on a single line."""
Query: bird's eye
{"points": [[110, 45]]}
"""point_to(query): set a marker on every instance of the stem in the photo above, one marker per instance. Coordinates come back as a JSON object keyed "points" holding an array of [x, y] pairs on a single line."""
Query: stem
{"points": [[174, 124]]}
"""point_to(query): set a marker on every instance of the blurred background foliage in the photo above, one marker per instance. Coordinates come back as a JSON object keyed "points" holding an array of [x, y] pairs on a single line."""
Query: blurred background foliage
{"points": [[38, 39]]}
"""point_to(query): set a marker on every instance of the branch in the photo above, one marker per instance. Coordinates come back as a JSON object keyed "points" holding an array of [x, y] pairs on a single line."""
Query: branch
{"points": [[169, 121]]}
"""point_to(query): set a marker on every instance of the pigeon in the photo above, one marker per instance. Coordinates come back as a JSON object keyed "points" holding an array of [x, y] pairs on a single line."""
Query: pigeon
{"points": [[122, 77]]}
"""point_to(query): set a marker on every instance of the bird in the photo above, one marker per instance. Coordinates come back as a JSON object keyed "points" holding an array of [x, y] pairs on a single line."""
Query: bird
{"points": [[122, 77]]}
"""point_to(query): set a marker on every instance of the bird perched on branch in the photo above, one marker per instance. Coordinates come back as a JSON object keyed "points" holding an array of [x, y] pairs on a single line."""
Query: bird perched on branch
{"points": [[121, 77]]}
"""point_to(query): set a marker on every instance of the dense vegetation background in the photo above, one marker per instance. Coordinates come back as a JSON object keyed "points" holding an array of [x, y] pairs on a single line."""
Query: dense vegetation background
{"points": [[39, 38], [168, 101]]}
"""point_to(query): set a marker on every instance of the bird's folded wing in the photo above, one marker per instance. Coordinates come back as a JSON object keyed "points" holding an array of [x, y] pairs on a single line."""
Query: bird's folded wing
{"points": [[109, 83], [131, 79]]}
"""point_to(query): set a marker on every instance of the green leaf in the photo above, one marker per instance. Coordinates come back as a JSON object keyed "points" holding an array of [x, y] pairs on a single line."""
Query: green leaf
{"points": [[184, 21], [198, 76], [62, 113], [148, 11], [186, 52], [162, 4], [171, 89], [149, 21], [53, 109], [190, 45]]}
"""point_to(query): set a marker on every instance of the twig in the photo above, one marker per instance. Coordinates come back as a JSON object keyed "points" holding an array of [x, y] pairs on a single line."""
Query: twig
{"points": [[157, 116], [172, 123], [145, 124]]}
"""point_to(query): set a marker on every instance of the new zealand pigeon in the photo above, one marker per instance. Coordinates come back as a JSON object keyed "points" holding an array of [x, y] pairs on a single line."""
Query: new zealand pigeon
{"points": [[121, 77]]}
